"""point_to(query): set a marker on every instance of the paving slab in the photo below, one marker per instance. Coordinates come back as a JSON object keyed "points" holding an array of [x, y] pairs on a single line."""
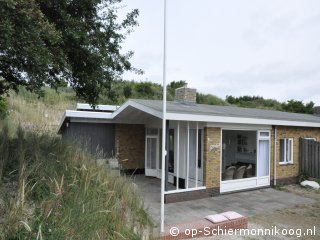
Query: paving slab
{"points": [[247, 203]]}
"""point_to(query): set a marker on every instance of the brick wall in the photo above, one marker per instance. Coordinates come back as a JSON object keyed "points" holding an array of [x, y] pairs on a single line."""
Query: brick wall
{"points": [[212, 149], [289, 173], [130, 144]]}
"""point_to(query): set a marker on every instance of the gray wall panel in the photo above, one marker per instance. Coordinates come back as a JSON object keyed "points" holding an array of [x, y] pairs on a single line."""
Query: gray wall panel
{"points": [[92, 135]]}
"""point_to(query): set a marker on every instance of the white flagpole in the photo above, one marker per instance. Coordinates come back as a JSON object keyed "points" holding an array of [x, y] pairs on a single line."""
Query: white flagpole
{"points": [[164, 100]]}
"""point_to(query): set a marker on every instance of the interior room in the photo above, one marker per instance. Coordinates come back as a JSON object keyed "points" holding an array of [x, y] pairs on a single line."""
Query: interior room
{"points": [[239, 154]]}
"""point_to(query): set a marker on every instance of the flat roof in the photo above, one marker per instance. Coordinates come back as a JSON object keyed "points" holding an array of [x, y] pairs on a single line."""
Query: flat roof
{"points": [[227, 111]]}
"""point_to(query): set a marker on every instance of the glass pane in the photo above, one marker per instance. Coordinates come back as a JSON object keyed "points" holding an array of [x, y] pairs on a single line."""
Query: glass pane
{"points": [[264, 134], [263, 158], [153, 153], [171, 150], [282, 141], [160, 150], [192, 154], [199, 149], [148, 153], [239, 154], [199, 160], [289, 152]]}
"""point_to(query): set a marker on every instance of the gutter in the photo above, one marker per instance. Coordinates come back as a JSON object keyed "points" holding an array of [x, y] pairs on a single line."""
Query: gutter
{"points": [[275, 157]]}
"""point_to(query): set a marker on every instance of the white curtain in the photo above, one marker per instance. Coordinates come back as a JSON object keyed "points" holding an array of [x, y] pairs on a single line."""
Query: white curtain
{"points": [[263, 158]]}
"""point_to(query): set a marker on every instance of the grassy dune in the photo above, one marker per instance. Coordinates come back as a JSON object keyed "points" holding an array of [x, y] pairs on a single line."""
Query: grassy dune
{"points": [[52, 189]]}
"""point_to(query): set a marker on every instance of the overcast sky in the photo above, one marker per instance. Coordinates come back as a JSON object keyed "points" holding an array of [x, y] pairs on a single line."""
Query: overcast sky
{"points": [[269, 48]]}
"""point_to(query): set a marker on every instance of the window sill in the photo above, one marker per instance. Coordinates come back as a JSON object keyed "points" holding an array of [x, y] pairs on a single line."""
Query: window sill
{"points": [[285, 164]]}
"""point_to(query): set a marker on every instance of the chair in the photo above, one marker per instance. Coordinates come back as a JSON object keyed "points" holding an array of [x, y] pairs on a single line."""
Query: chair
{"points": [[228, 174], [248, 172], [239, 172]]}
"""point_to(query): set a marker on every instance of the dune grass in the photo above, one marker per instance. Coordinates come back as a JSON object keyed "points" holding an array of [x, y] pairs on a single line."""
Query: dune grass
{"points": [[53, 189], [62, 193]]}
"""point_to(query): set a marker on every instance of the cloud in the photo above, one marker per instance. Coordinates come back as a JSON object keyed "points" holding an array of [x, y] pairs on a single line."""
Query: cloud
{"points": [[273, 81]]}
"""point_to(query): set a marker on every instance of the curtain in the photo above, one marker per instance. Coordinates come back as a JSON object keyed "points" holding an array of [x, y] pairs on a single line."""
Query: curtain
{"points": [[263, 158]]}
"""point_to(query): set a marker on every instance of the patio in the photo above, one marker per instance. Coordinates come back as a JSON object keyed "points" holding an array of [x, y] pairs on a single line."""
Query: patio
{"points": [[247, 203]]}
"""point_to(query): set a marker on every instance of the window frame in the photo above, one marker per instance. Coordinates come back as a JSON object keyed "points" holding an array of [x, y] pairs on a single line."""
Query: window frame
{"points": [[284, 160], [311, 138]]}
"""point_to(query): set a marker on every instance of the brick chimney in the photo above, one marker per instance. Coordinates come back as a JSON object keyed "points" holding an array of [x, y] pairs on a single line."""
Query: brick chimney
{"points": [[316, 111], [185, 95]]}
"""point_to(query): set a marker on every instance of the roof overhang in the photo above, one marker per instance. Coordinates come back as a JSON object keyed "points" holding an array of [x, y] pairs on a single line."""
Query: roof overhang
{"points": [[213, 118], [238, 120], [182, 117], [68, 114]]}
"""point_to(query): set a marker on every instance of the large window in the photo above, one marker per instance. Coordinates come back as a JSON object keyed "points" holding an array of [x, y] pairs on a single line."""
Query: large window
{"points": [[239, 154], [286, 151]]}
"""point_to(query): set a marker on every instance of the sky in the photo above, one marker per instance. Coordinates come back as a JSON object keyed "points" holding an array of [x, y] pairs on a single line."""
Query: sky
{"points": [[269, 48]]}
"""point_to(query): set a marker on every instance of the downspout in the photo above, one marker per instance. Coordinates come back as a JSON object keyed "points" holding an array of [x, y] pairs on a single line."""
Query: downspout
{"points": [[275, 157]]}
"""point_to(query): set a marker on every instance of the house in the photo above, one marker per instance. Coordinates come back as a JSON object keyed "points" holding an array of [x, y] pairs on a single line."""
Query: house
{"points": [[211, 149]]}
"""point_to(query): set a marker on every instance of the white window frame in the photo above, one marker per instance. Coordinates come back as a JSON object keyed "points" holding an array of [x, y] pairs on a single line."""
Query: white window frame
{"points": [[310, 138], [283, 161]]}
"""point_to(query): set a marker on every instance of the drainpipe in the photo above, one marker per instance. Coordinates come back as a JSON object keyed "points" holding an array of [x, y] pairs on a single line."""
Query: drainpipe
{"points": [[275, 157]]}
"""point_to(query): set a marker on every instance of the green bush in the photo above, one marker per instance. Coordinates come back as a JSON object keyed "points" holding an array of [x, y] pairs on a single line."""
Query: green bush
{"points": [[304, 175]]}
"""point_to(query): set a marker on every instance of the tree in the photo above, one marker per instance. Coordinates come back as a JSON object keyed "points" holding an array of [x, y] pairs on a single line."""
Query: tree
{"points": [[58, 42], [172, 86], [145, 89], [298, 106], [127, 91]]}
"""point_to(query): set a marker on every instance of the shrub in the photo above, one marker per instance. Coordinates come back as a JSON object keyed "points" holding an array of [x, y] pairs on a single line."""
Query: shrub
{"points": [[304, 175]]}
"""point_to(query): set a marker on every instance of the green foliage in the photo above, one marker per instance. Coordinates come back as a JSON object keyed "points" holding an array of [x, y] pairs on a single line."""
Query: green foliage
{"points": [[122, 90], [127, 91], [254, 102], [145, 89], [56, 42], [74, 197], [305, 175], [298, 106], [209, 99], [172, 86], [259, 102], [3, 108]]}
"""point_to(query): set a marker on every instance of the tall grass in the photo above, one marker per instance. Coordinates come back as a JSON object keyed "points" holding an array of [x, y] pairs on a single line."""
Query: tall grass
{"points": [[4, 150], [34, 113], [63, 194], [52, 189]]}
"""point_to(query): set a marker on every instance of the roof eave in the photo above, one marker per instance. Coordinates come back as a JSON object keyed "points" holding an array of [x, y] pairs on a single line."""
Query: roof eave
{"points": [[239, 120]]}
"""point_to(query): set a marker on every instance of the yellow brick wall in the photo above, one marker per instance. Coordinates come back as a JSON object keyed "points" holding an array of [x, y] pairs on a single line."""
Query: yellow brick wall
{"points": [[291, 170], [212, 153], [130, 144]]}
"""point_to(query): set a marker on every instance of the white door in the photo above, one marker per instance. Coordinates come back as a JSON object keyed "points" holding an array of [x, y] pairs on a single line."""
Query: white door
{"points": [[152, 156]]}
